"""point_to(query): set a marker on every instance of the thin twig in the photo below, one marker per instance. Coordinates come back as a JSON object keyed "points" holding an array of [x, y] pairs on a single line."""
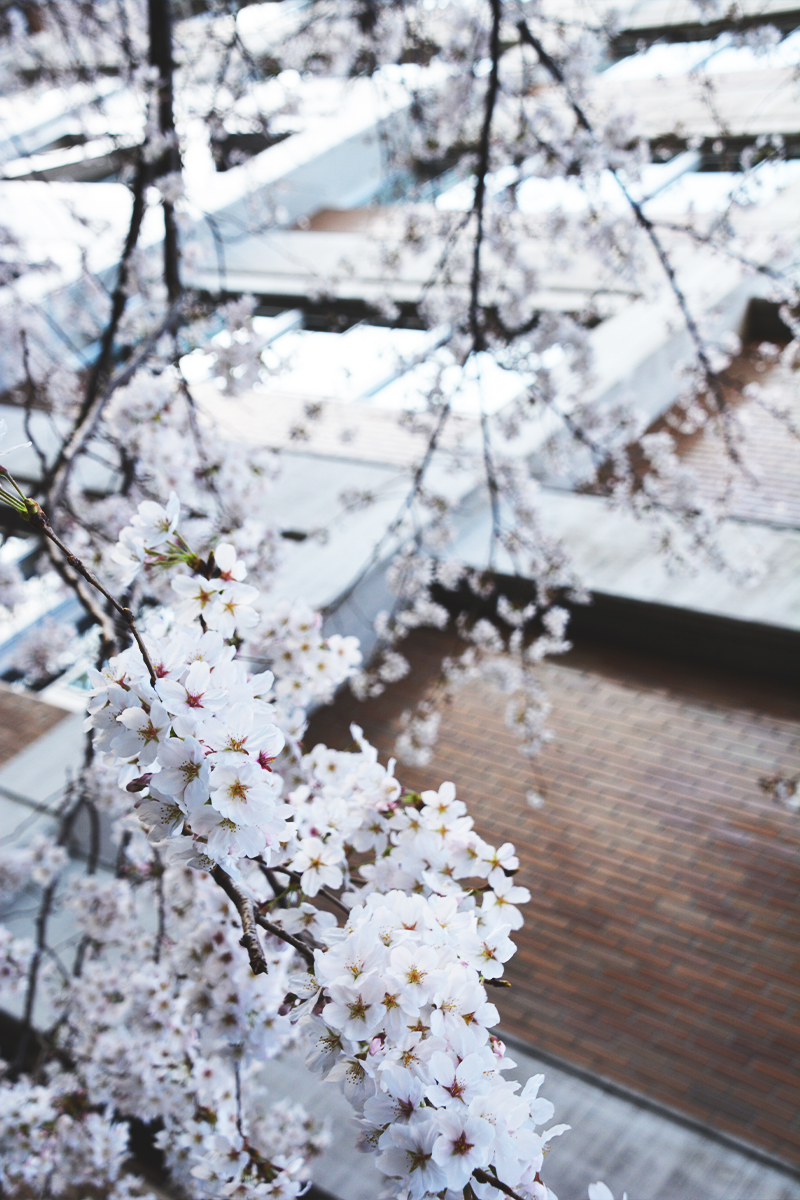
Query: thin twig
{"points": [[87, 598], [296, 878], [707, 239], [392, 528], [276, 931], [279, 893], [37, 518], [711, 378], [30, 397], [33, 973], [483, 1177], [158, 874], [119, 298]]}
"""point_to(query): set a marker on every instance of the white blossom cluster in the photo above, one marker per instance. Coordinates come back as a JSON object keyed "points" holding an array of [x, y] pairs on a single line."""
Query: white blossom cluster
{"points": [[48, 1137], [308, 667], [405, 1025], [200, 743], [396, 1007], [172, 1024], [161, 1026]]}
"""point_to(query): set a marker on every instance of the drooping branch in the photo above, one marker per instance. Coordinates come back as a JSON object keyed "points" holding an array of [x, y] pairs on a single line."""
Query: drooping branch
{"points": [[249, 938], [554, 70], [482, 171], [38, 519], [160, 26], [290, 939], [482, 1176]]}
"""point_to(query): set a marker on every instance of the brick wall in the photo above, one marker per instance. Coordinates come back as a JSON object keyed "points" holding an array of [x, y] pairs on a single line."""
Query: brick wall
{"points": [[661, 944], [22, 720]]}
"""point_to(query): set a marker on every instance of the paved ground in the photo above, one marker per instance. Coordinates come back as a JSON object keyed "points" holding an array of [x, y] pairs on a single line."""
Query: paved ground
{"points": [[661, 944], [628, 1147]]}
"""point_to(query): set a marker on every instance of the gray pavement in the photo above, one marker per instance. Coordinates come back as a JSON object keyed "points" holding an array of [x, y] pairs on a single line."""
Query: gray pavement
{"points": [[632, 1149]]}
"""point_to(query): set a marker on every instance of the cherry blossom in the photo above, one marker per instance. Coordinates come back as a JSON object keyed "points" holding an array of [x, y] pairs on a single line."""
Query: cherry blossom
{"points": [[203, 774]]}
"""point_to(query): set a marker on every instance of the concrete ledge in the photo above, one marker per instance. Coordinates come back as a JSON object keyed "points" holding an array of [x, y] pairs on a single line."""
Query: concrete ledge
{"points": [[752, 647], [701, 637]]}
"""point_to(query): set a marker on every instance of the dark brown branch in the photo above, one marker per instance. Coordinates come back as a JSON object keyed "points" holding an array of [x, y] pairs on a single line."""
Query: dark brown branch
{"points": [[295, 943], [484, 1177], [249, 938], [160, 29], [482, 172], [171, 252]]}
